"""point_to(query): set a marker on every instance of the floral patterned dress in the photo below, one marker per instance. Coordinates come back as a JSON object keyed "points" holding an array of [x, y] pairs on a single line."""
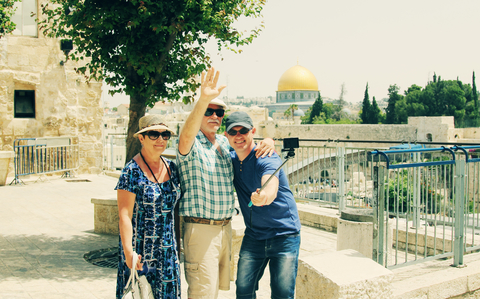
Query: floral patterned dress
{"points": [[153, 230]]}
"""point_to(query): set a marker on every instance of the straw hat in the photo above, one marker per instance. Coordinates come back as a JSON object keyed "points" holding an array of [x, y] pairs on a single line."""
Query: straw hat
{"points": [[151, 122]]}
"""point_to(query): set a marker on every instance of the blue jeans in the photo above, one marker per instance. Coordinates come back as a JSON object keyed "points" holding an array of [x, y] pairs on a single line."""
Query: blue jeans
{"points": [[281, 253]]}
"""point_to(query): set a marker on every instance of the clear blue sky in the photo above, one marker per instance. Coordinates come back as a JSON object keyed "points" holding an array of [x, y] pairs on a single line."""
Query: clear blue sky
{"points": [[381, 42]]}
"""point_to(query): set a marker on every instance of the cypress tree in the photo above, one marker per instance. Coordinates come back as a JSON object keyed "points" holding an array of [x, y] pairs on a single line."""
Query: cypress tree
{"points": [[365, 116], [475, 99], [316, 109], [375, 118]]}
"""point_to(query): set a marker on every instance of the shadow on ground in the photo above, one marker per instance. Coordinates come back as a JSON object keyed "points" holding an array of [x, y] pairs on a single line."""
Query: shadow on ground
{"points": [[42, 256]]}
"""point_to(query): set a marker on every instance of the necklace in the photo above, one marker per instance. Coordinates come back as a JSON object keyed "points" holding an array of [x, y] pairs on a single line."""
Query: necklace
{"points": [[168, 170]]}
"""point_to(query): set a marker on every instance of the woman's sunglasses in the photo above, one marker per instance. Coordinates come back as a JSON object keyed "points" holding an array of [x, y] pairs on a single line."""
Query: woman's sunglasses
{"points": [[242, 131], [153, 135], [218, 112]]}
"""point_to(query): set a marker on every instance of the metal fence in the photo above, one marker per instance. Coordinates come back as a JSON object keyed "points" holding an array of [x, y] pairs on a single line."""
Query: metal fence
{"points": [[335, 176], [427, 199], [45, 155], [424, 199]]}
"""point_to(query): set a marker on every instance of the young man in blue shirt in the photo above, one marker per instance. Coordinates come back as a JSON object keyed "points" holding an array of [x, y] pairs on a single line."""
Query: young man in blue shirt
{"points": [[272, 234]]}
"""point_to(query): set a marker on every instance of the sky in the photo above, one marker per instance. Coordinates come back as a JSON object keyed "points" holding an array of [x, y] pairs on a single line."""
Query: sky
{"points": [[351, 42]]}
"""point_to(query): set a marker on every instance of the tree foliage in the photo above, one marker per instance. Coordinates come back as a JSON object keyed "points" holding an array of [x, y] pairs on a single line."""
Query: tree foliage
{"points": [[151, 50], [6, 12], [393, 97], [475, 114], [438, 98], [365, 114], [291, 111], [313, 111], [376, 114]]}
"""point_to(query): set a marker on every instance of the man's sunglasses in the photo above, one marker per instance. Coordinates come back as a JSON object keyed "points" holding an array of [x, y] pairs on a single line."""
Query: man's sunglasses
{"points": [[153, 135], [242, 131], [218, 112]]}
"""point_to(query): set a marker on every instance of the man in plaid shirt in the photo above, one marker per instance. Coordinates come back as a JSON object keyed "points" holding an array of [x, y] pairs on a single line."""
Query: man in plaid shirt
{"points": [[206, 176]]}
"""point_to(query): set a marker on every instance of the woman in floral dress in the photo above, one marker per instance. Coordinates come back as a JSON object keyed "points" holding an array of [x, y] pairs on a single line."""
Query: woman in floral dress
{"points": [[147, 193]]}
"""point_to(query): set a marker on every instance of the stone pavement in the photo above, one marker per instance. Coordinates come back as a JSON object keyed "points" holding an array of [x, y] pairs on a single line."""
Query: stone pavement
{"points": [[47, 227]]}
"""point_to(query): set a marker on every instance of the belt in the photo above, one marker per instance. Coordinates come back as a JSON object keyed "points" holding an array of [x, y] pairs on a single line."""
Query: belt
{"points": [[207, 221]]}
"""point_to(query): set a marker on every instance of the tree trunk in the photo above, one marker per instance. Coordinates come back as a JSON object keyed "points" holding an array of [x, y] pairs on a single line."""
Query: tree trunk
{"points": [[136, 111]]}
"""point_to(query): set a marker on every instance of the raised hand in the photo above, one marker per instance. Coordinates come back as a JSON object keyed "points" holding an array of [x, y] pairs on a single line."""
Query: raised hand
{"points": [[209, 90]]}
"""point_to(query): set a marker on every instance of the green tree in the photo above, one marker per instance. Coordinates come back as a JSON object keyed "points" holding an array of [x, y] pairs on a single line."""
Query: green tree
{"points": [[393, 98], [414, 105], [291, 111], [376, 114], [475, 115], [438, 98], [365, 114], [328, 110], [6, 12], [151, 50], [315, 110]]}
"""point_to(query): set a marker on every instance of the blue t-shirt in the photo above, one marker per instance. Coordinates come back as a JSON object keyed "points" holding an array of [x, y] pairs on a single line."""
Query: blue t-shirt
{"points": [[278, 218]]}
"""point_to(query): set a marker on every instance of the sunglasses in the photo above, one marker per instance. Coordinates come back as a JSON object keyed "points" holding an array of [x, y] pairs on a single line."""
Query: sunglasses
{"points": [[153, 135], [242, 131], [218, 112]]}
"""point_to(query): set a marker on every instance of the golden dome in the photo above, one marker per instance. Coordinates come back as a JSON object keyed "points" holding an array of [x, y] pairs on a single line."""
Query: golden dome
{"points": [[297, 78]]}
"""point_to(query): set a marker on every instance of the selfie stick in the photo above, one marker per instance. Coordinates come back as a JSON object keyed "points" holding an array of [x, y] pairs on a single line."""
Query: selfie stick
{"points": [[290, 154]]}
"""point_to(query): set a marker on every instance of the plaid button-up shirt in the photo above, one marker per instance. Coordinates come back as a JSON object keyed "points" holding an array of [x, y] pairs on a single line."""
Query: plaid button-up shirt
{"points": [[206, 179]]}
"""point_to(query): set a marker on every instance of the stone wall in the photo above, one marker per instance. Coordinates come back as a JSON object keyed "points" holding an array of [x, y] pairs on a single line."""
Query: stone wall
{"points": [[438, 128], [343, 132], [65, 105]]}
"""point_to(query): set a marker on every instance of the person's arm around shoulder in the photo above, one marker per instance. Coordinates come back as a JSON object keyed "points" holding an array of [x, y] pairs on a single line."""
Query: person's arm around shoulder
{"points": [[209, 91], [126, 202], [265, 147]]}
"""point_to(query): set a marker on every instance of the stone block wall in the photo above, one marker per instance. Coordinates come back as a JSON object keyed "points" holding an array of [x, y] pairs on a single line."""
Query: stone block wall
{"points": [[342, 132], [65, 105], [105, 216]]}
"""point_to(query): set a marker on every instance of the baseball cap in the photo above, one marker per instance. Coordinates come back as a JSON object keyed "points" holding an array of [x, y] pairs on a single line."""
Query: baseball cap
{"points": [[238, 118]]}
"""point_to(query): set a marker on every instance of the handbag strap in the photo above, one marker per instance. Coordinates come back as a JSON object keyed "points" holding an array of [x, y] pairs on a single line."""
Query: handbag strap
{"points": [[133, 272]]}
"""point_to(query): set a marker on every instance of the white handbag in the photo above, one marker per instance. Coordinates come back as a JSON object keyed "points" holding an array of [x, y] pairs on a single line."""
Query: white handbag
{"points": [[137, 287]]}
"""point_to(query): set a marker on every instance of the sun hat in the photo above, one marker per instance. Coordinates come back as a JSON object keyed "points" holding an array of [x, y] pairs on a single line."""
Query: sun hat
{"points": [[219, 103], [238, 118], [151, 122]]}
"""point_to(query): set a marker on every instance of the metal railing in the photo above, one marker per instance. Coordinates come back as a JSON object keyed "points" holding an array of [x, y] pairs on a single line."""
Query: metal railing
{"points": [[425, 205], [45, 155], [425, 199]]}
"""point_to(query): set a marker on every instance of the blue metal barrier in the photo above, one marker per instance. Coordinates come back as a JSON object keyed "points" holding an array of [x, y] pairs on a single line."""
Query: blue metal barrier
{"points": [[434, 204]]}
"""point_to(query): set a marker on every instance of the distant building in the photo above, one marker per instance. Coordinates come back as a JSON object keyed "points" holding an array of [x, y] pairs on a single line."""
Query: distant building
{"points": [[296, 86], [122, 109]]}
